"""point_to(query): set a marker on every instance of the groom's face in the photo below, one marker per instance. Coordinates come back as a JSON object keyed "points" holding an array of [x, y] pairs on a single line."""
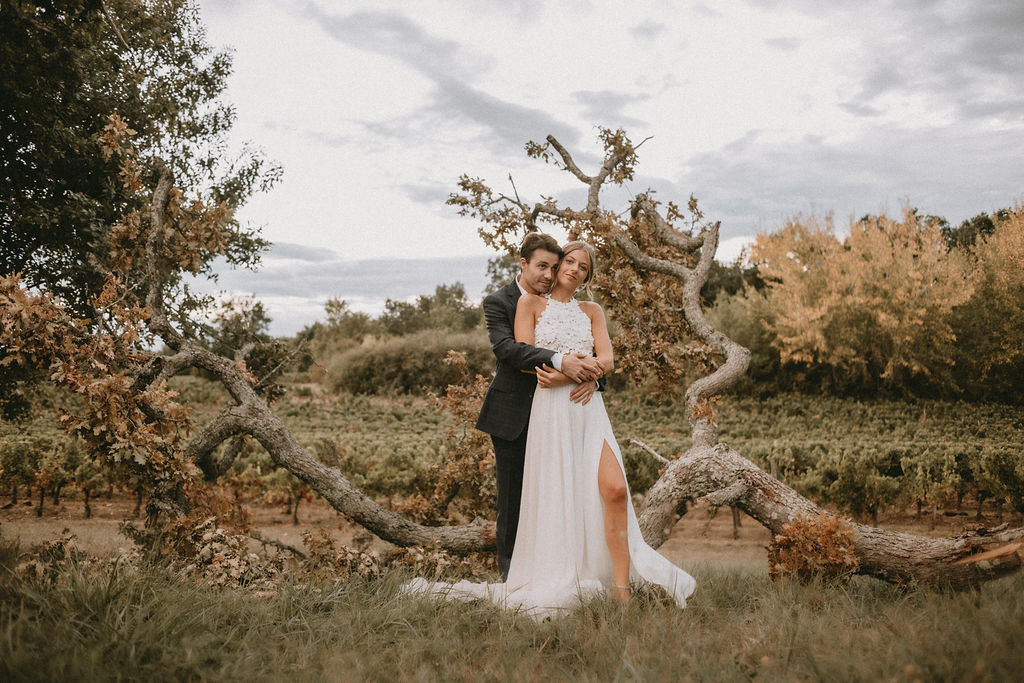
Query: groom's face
{"points": [[539, 272]]}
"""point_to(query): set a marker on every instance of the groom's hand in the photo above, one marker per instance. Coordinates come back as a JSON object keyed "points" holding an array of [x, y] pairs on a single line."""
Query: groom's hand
{"points": [[583, 392], [580, 368]]}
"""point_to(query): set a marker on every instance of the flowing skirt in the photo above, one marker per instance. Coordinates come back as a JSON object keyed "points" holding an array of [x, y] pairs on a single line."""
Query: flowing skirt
{"points": [[561, 555]]}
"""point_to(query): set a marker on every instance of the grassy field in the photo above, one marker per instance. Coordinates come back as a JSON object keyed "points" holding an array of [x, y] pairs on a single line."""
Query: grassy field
{"points": [[104, 622], [93, 618]]}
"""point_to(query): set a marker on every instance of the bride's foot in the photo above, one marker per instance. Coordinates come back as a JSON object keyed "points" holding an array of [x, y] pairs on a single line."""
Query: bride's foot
{"points": [[620, 593]]}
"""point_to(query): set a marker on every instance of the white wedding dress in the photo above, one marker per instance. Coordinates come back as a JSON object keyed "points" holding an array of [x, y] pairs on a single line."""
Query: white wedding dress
{"points": [[561, 556]]}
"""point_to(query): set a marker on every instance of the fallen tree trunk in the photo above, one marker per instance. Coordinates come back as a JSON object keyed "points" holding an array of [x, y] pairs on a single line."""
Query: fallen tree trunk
{"points": [[724, 477], [710, 469]]}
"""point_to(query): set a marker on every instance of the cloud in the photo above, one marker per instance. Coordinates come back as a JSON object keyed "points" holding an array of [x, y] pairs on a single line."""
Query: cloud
{"points": [[396, 36], [429, 192], [510, 124], [859, 109], [783, 44], [964, 58], [299, 252], [605, 106], [954, 171], [449, 66], [705, 10], [647, 30], [295, 296], [318, 137]]}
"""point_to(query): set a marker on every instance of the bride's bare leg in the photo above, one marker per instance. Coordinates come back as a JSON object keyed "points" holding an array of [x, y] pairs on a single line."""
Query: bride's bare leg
{"points": [[612, 485]]}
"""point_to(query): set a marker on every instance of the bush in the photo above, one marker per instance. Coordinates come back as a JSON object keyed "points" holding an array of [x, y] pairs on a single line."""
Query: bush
{"points": [[409, 364]]}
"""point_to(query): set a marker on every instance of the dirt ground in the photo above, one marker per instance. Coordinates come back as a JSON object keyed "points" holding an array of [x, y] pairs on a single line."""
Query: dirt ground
{"points": [[700, 537]]}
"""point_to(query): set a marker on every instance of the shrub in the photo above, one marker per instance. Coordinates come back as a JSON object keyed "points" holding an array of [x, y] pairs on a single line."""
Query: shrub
{"points": [[809, 547], [409, 364]]}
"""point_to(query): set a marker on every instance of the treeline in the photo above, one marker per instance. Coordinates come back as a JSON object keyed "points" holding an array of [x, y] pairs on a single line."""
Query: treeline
{"points": [[907, 307], [402, 350]]}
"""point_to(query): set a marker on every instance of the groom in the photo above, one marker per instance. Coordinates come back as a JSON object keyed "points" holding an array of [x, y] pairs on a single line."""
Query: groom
{"points": [[505, 413]]}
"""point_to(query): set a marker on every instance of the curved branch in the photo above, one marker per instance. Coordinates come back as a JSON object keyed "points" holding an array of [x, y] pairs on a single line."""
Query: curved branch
{"points": [[650, 451], [720, 473], [737, 357], [549, 208], [593, 183], [160, 367], [567, 160], [230, 423], [647, 262], [349, 500], [158, 322], [643, 205]]}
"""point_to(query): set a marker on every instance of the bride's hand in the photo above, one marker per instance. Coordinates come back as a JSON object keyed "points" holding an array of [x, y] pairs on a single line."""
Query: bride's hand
{"points": [[549, 378]]}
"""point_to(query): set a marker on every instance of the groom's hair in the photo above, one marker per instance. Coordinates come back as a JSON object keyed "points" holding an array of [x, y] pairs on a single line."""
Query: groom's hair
{"points": [[538, 240]]}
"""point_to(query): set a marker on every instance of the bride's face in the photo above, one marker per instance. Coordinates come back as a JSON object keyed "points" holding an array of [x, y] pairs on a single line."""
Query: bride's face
{"points": [[574, 269]]}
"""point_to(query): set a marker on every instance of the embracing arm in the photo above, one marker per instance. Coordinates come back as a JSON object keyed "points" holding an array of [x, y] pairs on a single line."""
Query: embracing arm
{"points": [[519, 355]]}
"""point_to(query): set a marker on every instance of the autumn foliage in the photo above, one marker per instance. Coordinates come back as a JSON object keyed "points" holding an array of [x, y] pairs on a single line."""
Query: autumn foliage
{"points": [[808, 547], [891, 307]]}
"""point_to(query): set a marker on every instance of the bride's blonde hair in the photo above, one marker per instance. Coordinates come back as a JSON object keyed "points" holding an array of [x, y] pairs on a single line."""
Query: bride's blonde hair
{"points": [[591, 253]]}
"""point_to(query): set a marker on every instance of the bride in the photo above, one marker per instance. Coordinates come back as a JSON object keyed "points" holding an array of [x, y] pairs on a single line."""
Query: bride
{"points": [[578, 535]]}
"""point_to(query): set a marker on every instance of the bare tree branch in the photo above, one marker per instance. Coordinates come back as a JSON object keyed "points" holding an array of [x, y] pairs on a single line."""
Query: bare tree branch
{"points": [[725, 477], [650, 451], [643, 205], [570, 165]]}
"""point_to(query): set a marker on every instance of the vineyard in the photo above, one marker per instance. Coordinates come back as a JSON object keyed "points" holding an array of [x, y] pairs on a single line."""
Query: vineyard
{"points": [[864, 459], [340, 609]]}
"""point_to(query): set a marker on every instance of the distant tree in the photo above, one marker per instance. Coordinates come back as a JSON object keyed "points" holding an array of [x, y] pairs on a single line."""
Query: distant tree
{"points": [[967, 234], [345, 322], [875, 309], [447, 309], [729, 280], [501, 270], [990, 325], [67, 67]]}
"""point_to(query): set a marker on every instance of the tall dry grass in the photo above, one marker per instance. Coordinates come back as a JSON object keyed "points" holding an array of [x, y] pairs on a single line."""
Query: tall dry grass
{"points": [[86, 621]]}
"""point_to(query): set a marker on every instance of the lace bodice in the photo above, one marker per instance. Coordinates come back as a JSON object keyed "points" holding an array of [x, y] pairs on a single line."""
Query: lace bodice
{"points": [[565, 328]]}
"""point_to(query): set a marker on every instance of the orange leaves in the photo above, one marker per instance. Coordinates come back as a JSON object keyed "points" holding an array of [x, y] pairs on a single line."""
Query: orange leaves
{"points": [[199, 232], [113, 137], [116, 420], [114, 140], [245, 372], [822, 546], [875, 306]]}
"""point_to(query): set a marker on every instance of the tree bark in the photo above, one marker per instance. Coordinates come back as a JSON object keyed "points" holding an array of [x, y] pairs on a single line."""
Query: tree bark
{"points": [[709, 469], [723, 477]]}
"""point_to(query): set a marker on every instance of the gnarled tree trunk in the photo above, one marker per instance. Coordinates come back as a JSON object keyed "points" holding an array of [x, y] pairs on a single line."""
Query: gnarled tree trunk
{"points": [[709, 469]]}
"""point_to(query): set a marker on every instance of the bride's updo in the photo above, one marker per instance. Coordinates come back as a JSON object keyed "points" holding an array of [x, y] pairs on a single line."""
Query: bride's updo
{"points": [[591, 252]]}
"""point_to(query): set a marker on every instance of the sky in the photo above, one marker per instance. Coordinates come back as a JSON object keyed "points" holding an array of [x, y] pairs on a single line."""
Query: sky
{"points": [[762, 109]]}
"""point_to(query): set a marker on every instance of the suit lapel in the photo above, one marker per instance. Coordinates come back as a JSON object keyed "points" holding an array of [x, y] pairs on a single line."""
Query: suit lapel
{"points": [[512, 293]]}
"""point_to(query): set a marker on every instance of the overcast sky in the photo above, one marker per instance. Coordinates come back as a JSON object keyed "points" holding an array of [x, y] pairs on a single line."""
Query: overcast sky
{"points": [[763, 109]]}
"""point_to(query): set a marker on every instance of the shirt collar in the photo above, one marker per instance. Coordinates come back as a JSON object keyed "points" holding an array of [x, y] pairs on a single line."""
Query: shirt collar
{"points": [[522, 290]]}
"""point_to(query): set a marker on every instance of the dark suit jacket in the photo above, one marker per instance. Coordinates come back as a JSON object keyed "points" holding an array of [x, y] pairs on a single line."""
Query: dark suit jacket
{"points": [[506, 408]]}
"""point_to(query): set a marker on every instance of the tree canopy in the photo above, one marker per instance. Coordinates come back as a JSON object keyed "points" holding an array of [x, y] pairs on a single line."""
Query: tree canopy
{"points": [[69, 71]]}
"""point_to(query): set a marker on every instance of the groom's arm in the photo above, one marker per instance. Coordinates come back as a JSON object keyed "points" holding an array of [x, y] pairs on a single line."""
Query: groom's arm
{"points": [[503, 340]]}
